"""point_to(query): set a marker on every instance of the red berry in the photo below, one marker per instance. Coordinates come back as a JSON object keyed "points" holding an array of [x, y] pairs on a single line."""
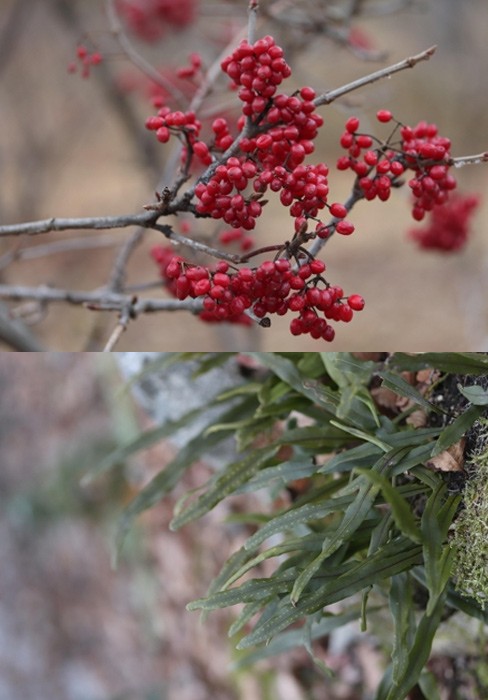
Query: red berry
{"points": [[307, 93], [345, 227], [338, 210], [384, 115], [356, 302], [317, 267], [352, 125]]}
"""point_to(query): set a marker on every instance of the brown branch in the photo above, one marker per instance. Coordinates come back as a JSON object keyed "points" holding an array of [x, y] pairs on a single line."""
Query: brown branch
{"points": [[410, 62], [99, 300], [146, 219], [461, 161], [126, 315], [32, 228]]}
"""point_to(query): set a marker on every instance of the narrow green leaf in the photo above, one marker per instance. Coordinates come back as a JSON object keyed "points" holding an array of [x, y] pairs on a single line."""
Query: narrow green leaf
{"points": [[284, 472], [246, 614], [438, 556], [455, 600], [330, 362], [454, 362], [311, 542], [244, 388], [353, 518], [258, 589], [288, 372], [294, 638], [402, 611], [419, 652], [226, 483], [296, 516], [403, 388], [320, 438], [360, 434], [398, 555], [343, 368], [401, 510], [359, 456], [475, 394], [455, 430], [311, 365]]}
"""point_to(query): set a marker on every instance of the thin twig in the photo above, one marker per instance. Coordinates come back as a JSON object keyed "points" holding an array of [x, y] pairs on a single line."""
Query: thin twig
{"points": [[410, 62], [319, 243], [468, 160], [32, 228], [251, 23], [118, 272], [97, 300], [125, 316], [146, 219]]}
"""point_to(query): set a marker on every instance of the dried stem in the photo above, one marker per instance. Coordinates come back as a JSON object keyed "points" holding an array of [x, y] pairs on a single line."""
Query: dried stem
{"points": [[125, 316], [410, 62], [251, 23], [468, 160], [32, 228], [100, 300]]}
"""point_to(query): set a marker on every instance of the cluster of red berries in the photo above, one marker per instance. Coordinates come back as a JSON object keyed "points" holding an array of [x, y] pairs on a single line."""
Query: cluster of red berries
{"points": [[221, 197], [149, 19], [448, 227], [167, 122], [271, 156], [420, 149], [274, 287], [426, 153], [290, 126], [375, 168], [273, 159], [258, 69], [85, 60]]}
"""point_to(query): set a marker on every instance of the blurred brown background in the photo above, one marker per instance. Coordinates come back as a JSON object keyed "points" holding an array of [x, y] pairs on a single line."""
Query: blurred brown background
{"points": [[66, 150]]}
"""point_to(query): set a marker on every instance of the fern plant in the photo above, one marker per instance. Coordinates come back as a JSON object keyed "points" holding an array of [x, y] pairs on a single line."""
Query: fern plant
{"points": [[373, 513]]}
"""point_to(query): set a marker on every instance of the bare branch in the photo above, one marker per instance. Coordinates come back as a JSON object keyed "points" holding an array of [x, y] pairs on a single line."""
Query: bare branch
{"points": [[125, 316], [251, 23], [117, 275], [468, 160], [32, 228], [99, 300], [410, 62]]}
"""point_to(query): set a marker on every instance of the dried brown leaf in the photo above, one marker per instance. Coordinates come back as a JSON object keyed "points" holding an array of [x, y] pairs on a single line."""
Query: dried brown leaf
{"points": [[450, 460], [418, 419]]}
